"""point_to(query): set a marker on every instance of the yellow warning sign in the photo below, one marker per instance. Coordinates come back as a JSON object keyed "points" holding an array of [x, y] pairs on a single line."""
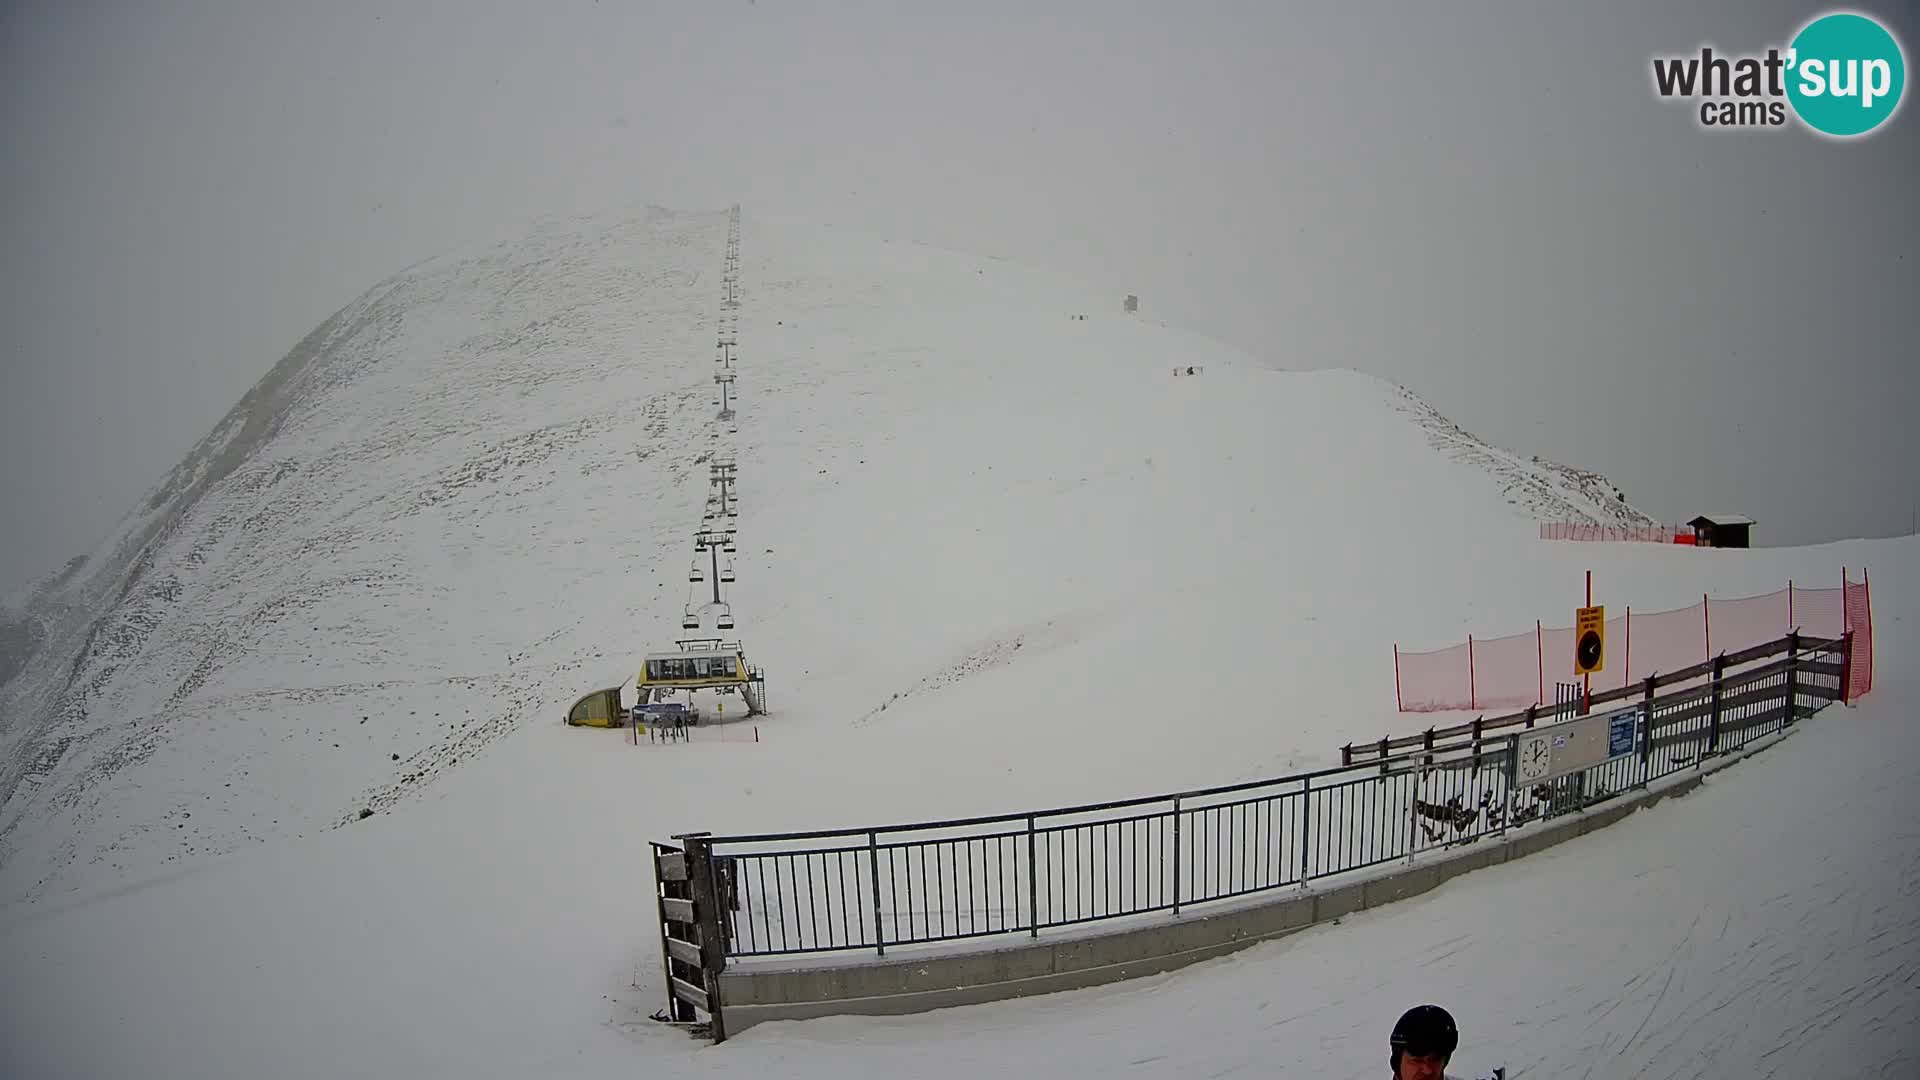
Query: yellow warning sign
{"points": [[1589, 640]]}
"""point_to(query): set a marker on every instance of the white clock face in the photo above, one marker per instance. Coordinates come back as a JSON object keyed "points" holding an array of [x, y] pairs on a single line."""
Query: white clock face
{"points": [[1536, 756]]}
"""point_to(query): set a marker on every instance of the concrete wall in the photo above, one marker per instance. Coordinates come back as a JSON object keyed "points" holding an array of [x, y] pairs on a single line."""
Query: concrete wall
{"points": [[936, 976]]}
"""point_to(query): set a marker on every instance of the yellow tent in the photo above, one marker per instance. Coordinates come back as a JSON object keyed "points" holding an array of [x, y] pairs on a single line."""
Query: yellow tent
{"points": [[598, 709]]}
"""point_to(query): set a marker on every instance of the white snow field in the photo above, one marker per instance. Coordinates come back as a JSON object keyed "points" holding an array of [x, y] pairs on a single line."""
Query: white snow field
{"points": [[992, 557]]}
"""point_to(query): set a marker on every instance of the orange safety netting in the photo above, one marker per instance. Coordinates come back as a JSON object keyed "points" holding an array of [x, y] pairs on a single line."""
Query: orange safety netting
{"points": [[1519, 670], [1640, 534]]}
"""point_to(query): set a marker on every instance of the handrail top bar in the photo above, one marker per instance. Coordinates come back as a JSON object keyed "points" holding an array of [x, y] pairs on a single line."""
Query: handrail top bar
{"points": [[1492, 747]]}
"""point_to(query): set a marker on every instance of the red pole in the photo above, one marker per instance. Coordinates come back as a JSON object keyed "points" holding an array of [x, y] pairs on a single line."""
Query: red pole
{"points": [[1866, 586], [1399, 704], [1473, 690], [1626, 676], [1586, 681], [1789, 605]]}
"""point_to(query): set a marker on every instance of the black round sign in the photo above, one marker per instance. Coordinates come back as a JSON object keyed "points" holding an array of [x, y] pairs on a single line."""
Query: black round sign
{"points": [[1589, 650]]}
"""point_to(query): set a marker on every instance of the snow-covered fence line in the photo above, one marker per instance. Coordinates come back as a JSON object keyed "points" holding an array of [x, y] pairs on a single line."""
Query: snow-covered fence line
{"points": [[1856, 677], [1514, 672], [875, 888]]}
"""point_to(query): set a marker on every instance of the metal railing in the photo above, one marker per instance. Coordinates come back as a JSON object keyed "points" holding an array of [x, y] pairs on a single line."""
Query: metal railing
{"points": [[1483, 727], [875, 888]]}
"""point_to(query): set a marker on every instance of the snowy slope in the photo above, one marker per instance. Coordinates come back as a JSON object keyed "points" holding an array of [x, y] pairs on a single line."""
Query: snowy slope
{"points": [[1763, 926], [992, 557], [467, 497]]}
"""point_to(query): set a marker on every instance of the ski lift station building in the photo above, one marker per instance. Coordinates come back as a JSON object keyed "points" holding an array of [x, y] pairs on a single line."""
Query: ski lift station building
{"points": [[699, 664], [703, 664]]}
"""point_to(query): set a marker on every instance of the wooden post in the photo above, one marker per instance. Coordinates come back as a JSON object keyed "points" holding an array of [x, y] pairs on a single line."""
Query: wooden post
{"points": [[1793, 679], [1706, 624], [1713, 718], [706, 911], [1846, 660], [1473, 690], [1399, 703], [1646, 739]]}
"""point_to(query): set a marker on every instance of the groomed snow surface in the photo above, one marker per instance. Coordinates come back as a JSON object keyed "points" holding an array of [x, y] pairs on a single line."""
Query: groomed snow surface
{"points": [[1064, 573]]}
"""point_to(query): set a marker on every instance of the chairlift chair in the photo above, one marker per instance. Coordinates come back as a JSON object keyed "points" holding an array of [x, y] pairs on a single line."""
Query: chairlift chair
{"points": [[696, 573], [689, 621], [725, 622], [726, 572]]}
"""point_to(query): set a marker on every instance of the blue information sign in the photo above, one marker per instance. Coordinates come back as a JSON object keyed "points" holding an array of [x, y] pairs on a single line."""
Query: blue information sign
{"points": [[1620, 727]]}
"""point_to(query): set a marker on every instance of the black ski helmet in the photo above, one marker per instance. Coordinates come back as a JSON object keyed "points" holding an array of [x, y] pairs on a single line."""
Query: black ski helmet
{"points": [[1425, 1030]]}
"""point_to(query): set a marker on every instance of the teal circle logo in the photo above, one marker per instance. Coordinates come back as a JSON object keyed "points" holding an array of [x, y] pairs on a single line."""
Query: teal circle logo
{"points": [[1845, 74]]}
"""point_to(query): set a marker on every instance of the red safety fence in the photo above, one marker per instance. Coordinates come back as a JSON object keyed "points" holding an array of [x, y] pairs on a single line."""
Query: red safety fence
{"points": [[1519, 670], [1631, 534]]}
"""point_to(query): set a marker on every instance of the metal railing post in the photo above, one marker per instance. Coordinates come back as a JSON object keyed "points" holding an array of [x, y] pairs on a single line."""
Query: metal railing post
{"points": [[1306, 833], [1413, 819], [1513, 770], [873, 870], [1176, 854], [1033, 884]]}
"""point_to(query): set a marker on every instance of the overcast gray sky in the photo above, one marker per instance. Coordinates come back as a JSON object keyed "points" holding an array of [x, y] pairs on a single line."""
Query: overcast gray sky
{"points": [[1484, 201]]}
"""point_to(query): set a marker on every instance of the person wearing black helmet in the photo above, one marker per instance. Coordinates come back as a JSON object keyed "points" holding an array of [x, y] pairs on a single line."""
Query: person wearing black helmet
{"points": [[1423, 1042]]}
